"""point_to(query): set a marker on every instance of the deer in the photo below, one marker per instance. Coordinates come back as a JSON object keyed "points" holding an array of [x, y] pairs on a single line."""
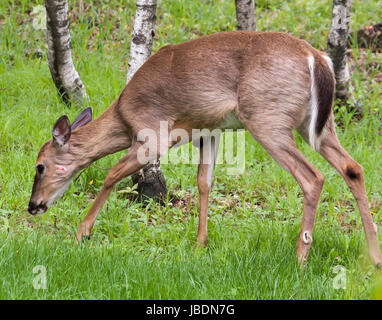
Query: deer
{"points": [[269, 83]]}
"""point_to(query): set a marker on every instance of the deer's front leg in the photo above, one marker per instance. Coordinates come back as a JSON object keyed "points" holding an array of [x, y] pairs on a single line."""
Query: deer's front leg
{"points": [[126, 166], [208, 152]]}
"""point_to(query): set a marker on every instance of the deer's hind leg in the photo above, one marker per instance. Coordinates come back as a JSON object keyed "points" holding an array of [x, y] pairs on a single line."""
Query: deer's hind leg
{"points": [[277, 138], [352, 172]]}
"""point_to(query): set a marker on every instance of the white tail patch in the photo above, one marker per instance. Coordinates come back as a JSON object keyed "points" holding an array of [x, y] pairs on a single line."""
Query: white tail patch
{"points": [[329, 61], [314, 140]]}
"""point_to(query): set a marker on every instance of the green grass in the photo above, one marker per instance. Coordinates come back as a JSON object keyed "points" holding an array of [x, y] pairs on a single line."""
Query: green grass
{"points": [[146, 253]]}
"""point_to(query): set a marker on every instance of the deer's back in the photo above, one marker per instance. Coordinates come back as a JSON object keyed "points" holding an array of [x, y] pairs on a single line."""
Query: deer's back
{"points": [[200, 82]]}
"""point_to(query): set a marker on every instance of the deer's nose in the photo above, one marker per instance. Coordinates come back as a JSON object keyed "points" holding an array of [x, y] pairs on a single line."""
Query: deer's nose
{"points": [[33, 208]]}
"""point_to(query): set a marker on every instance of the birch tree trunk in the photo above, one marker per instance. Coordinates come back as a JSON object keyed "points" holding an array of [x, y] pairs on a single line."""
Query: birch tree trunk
{"points": [[143, 35], [337, 45], [150, 180], [60, 60], [245, 14]]}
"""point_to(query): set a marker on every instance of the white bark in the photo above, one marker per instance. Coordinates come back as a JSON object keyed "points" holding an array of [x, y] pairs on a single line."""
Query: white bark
{"points": [[143, 35], [151, 182], [337, 45], [245, 14], [60, 60]]}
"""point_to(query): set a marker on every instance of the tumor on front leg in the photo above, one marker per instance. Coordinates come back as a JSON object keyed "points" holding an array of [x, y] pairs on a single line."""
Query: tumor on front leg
{"points": [[303, 246], [306, 237]]}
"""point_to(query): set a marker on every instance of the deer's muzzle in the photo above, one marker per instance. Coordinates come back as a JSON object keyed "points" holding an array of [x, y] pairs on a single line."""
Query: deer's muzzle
{"points": [[33, 208]]}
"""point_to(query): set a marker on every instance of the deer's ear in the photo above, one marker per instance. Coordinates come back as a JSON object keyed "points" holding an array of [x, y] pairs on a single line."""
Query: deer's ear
{"points": [[83, 118], [61, 131]]}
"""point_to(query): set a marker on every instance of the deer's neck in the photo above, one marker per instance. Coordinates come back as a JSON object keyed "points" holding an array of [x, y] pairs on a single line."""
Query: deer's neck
{"points": [[99, 138]]}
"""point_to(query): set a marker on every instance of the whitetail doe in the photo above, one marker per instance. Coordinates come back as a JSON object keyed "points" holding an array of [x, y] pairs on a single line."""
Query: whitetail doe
{"points": [[270, 83]]}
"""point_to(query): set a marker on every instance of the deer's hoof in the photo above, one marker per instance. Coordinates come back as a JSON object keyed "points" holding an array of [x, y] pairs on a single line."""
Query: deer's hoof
{"points": [[302, 255], [85, 238], [200, 244], [82, 238]]}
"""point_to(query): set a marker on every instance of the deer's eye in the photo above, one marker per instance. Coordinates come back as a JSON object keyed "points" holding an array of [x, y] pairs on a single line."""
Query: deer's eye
{"points": [[40, 169]]}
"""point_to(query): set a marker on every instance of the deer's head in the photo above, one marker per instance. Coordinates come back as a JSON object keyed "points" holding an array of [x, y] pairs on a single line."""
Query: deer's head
{"points": [[55, 166]]}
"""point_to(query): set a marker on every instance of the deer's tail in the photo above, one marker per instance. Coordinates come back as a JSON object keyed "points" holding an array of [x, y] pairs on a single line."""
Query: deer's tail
{"points": [[322, 96]]}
